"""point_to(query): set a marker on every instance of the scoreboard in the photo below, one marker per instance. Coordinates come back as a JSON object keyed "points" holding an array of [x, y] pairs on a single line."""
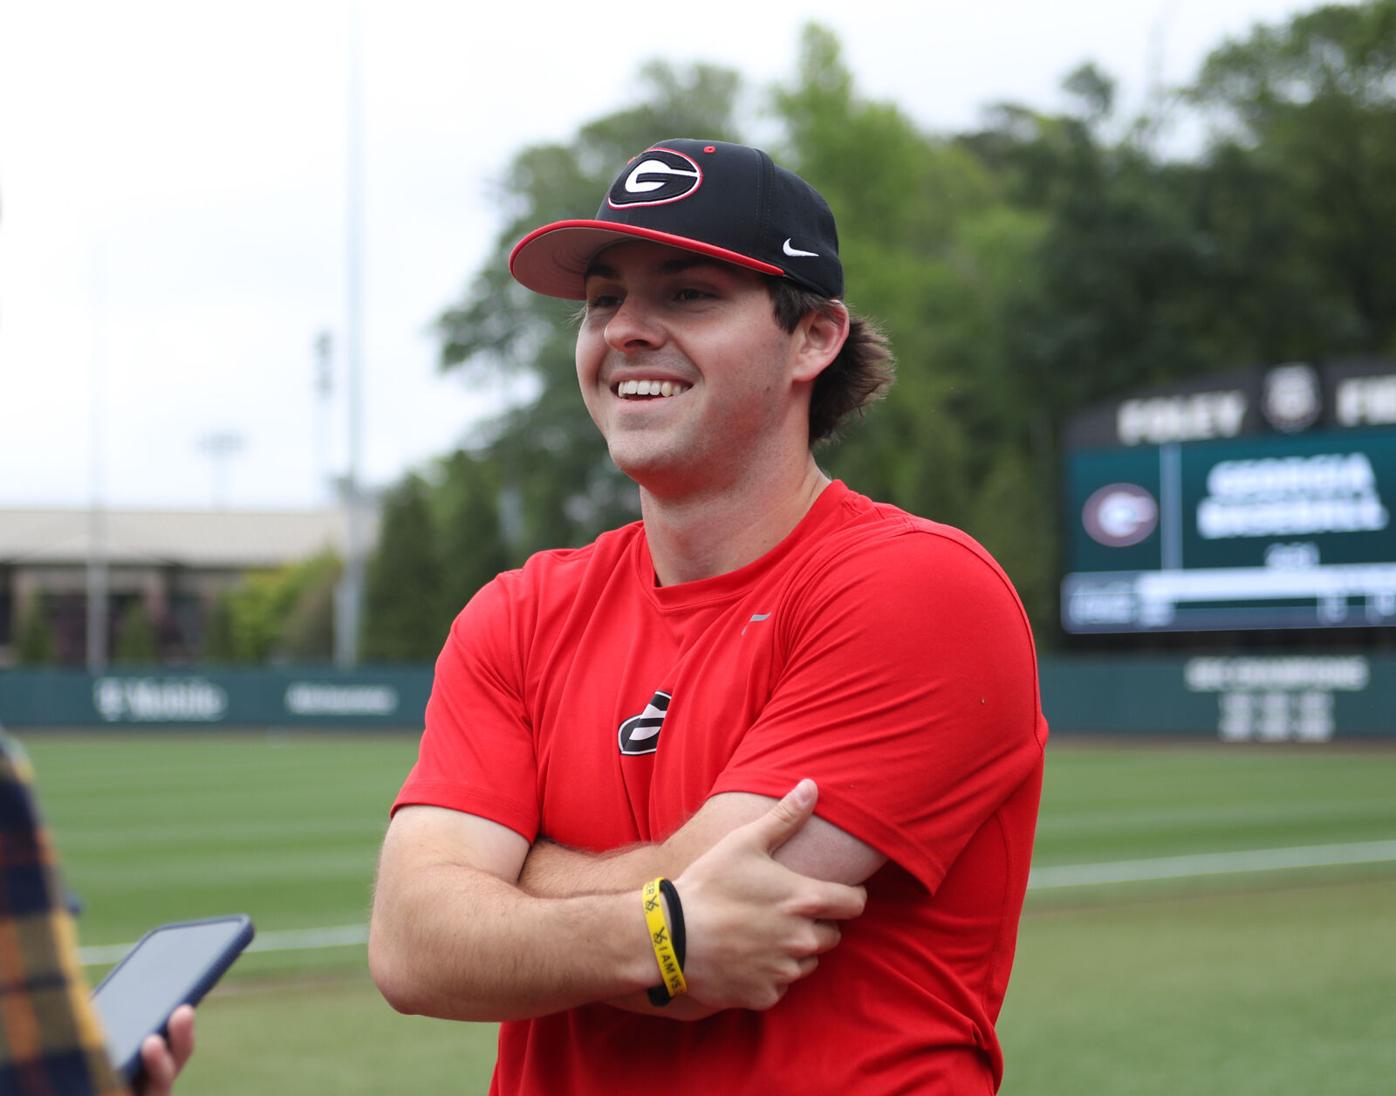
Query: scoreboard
{"points": [[1266, 500]]}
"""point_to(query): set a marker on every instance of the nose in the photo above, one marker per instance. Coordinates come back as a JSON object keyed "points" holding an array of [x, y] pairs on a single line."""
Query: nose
{"points": [[634, 326]]}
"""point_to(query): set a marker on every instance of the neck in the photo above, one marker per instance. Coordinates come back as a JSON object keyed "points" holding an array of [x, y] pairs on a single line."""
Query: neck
{"points": [[693, 537]]}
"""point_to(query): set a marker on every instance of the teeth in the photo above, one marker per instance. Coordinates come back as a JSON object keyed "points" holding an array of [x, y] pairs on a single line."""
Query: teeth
{"points": [[650, 388]]}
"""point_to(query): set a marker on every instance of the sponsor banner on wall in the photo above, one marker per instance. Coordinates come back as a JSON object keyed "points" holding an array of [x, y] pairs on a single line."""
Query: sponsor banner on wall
{"points": [[390, 697], [159, 700]]}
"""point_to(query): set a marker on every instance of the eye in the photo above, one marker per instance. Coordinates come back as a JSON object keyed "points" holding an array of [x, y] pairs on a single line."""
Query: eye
{"points": [[601, 301], [691, 293]]}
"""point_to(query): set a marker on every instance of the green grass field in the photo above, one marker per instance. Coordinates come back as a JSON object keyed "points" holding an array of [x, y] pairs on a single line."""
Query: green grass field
{"points": [[1237, 982]]}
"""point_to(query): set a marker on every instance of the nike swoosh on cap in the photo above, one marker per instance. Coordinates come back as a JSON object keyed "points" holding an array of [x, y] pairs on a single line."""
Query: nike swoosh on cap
{"points": [[795, 251]]}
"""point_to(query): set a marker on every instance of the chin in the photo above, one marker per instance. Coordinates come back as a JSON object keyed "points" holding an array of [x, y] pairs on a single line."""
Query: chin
{"points": [[642, 466], [656, 471]]}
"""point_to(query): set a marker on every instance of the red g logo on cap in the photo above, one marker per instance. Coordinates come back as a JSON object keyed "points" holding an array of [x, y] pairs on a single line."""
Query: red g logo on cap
{"points": [[656, 177]]}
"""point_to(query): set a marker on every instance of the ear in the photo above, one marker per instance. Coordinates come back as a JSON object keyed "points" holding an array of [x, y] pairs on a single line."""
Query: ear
{"points": [[819, 336]]}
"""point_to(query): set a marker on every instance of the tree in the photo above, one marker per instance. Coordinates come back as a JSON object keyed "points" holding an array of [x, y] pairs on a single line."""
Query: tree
{"points": [[402, 591], [220, 644], [136, 639], [307, 631], [1298, 193], [470, 529], [1119, 290], [279, 615], [34, 640]]}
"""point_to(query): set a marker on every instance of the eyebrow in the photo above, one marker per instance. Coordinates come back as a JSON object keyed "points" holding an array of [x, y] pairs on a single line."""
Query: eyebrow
{"points": [[669, 266]]}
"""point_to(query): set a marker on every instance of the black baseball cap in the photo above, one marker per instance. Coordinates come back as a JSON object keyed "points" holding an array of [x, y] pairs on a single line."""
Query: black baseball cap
{"points": [[727, 201]]}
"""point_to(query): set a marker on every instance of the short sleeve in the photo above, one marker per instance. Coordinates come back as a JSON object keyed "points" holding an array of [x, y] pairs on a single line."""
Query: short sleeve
{"points": [[909, 693], [476, 753]]}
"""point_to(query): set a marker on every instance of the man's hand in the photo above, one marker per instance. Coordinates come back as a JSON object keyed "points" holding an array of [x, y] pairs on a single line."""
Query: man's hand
{"points": [[754, 926], [163, 1060]]}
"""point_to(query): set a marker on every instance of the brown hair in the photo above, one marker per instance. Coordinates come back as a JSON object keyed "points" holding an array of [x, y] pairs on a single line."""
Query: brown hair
{"points": [[860, 374]]}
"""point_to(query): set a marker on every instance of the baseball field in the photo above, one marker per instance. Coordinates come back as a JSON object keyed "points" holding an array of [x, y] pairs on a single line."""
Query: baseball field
{"points": [[1202, 919]]}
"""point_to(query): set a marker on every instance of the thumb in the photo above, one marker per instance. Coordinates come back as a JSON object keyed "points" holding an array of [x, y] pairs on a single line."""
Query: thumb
{"points": [[783, 821]]}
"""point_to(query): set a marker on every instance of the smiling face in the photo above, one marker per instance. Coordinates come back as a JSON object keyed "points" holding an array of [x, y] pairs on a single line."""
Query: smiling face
{"points": [[686, 372]]}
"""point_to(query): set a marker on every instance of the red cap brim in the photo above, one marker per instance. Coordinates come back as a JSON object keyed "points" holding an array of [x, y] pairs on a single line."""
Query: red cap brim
{"points": [[553, 260]]}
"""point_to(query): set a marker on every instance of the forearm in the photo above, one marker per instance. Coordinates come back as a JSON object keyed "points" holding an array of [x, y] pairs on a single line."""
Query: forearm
{"points": [[555, 871], [456, 942]]}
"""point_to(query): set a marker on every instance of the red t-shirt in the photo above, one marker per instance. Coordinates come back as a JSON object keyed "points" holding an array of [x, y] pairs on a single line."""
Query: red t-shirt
{"points": [[885, 656]]}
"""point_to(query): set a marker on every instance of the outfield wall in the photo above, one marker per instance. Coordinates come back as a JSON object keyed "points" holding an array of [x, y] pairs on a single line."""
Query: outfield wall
{"points": [[1235, 698], [264, 697]]}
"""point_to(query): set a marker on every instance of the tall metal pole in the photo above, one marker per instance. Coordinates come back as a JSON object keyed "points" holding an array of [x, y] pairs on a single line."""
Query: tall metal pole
{"points": [[221, 445], [350, 597], [320, 427], [97, 584]]}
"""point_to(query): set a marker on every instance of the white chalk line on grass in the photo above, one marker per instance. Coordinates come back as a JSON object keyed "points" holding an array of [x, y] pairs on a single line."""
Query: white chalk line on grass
{"points": [[1045, 878], [1210, 863], [339, 936]]}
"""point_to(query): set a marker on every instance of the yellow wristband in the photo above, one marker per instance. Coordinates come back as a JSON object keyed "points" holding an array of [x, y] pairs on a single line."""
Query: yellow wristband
{"points": [[669, 969]]}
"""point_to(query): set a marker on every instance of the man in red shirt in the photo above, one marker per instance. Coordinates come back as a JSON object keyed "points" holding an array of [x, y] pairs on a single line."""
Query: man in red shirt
{"points": [[813, 715]]}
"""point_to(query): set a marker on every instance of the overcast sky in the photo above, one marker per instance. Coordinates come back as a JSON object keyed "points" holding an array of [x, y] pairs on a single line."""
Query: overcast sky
{"points": [[173, 199]]}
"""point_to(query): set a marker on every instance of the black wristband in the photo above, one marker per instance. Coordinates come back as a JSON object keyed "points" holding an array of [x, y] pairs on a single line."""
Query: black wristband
{"points": [[676, 929], [658, 995]]}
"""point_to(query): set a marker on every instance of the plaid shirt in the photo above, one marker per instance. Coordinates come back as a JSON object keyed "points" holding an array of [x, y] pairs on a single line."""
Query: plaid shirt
{"points": [[50, 1038]]}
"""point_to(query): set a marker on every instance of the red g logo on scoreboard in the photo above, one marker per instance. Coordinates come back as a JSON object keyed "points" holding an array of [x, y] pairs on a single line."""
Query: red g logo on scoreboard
{"points": [[1120, 515]]}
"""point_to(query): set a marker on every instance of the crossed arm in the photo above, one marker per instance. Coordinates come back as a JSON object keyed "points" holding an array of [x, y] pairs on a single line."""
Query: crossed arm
{"points": [[470, 923]]}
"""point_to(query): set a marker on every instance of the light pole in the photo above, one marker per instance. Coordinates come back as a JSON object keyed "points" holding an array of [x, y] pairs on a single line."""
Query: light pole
{"points": [[219, 446], [97, 574], [350, 593], [324, 389]]}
